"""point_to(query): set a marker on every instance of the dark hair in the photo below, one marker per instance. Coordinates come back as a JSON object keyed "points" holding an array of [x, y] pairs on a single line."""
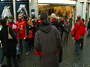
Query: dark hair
{"points": [[43, 16], [33, 16], [10, 17], [83, 20], [89, 19], [78, 17], [6, 18], [0, 20], [3, 22]]}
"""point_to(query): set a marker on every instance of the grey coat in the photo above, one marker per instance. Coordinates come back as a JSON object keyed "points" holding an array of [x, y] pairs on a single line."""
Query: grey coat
{"points": [[48, 41], [67, 27]]}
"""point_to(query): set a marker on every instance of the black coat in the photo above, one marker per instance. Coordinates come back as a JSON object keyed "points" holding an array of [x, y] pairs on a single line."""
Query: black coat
{"points": [[88, 27], [9, 45]]}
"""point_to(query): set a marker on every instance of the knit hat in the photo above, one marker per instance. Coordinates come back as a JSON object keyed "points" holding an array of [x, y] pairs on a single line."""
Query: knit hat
{"points": [[53, 15]]}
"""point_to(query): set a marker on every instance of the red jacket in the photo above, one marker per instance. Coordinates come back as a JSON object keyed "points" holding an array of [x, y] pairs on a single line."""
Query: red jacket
{"points": [[10, 25], [79, 29], [76, 31], [40, 21], [31, 34], [83, 28], [21, 29], [14, 27]]}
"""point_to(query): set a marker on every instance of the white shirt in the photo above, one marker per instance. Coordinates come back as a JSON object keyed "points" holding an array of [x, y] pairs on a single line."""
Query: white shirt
{"points": [[0, 30]]}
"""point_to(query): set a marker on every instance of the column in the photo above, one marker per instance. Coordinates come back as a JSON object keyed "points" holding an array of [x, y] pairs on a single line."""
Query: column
{"points": [[84, 10], [34, 5], [30, 6], [14, 9], [89, 10], [81, 9], [77, 8]]}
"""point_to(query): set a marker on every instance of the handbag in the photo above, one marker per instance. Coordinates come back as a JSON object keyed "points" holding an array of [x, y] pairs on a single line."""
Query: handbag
{"points": [[9, 36]]}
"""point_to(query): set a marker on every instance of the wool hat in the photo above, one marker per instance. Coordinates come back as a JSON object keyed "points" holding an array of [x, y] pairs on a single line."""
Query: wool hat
{"points": [[53, 15]]}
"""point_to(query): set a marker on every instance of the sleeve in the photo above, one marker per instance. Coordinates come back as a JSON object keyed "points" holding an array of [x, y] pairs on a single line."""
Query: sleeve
{"points": [[13, 35], [37, 45], [76, 27]]}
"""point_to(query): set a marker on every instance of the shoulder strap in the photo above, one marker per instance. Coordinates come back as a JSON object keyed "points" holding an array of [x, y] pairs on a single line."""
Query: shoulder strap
{"points": [[9, 36], [8, 29]]}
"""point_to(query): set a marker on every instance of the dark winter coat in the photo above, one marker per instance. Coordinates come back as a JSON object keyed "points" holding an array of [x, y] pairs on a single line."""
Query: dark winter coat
{"points": [[56, 23], [48, 41], [88, 27], [61, 25], [9, 45]]}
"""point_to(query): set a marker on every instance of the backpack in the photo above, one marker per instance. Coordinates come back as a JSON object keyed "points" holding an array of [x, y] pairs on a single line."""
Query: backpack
{"points": [[83, 28]]}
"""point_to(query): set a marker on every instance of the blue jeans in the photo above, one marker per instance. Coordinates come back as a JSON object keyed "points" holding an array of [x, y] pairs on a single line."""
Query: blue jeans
{"points": [[78, 46], [1, 55], [25, 44], [21, 47]]}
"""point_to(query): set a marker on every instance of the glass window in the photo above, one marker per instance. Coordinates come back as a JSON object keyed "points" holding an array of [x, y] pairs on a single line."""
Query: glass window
{"points": [[5, 0], [22, 0]]}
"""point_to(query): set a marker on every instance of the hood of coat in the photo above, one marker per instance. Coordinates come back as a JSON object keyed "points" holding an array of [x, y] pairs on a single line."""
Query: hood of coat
{"points": [[45, 29], [45, 26]]}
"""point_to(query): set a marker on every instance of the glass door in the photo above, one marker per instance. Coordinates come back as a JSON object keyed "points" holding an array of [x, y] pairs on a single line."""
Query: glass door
{"points": [[22, 6], [6, 8]]}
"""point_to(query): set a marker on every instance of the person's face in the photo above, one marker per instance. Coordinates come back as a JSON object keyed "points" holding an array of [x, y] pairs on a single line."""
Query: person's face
{"points": [[10, 20], [29, 19], [20, 16], [62, 19]]}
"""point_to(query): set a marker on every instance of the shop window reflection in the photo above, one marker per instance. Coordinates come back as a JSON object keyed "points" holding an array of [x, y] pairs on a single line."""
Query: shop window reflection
{"points": [[73, 0], [22, 0], [5, 0]]}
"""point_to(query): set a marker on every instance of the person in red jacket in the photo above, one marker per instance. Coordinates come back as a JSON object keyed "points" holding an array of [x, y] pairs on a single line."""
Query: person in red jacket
{"points": [[22, 36], [83, 32], [76, 33], [30, 32]]}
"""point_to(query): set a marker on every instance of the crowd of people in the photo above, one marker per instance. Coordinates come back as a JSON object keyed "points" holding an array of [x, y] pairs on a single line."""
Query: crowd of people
{"points": [[44, 35]]}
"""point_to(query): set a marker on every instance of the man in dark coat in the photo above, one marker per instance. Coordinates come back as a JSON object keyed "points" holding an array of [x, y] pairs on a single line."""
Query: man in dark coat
{"points": [[48, 42]]}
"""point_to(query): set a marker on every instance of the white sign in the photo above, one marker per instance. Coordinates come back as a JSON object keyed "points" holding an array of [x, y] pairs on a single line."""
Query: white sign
{"points": [[57, 1]]}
